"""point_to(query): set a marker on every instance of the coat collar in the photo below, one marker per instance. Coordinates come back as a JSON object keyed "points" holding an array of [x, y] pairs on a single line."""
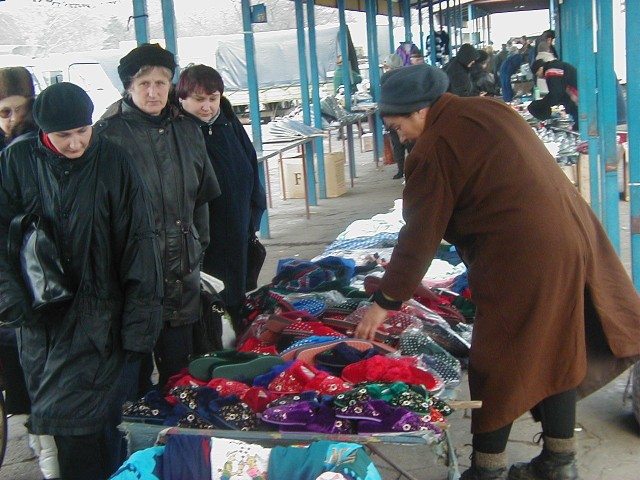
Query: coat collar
{"points": [[438, 109]]}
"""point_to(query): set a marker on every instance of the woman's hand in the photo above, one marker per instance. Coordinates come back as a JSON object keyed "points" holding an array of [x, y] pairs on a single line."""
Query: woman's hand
{"points": [[373, 318]]}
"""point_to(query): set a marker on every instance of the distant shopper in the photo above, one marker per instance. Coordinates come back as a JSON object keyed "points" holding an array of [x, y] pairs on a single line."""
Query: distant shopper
{"points": [[459, 71], [338, 76], [416, 58], [234, 217], [545, 43], [510, 66], [562, 82], [87, 192], [16, 98], [169, 152], [398, 149], [482, 79], [16, 123]]}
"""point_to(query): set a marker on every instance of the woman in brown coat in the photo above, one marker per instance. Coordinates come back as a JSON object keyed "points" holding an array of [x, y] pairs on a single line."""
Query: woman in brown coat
{"points": [[552, 297]]}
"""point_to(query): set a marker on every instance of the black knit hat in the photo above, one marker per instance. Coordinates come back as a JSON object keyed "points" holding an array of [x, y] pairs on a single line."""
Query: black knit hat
{"points": [[15, 81], [147, 54], [62, 106], [409, 89]]}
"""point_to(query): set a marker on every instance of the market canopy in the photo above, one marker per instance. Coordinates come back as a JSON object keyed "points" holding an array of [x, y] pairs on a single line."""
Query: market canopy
{"points": [[487, 6]]}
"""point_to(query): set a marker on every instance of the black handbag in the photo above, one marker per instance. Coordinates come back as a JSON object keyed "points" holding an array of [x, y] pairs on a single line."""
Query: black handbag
{"points": [[256, 254], [33, 249], [208, 330]]}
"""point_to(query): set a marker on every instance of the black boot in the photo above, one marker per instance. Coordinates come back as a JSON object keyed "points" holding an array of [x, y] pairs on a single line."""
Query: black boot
{"points": [[556, 462], [486, 466], [479, 473]]}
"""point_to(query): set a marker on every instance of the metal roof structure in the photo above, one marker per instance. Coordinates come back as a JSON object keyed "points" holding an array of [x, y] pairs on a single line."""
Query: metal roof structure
{"points": [[486, 6]]}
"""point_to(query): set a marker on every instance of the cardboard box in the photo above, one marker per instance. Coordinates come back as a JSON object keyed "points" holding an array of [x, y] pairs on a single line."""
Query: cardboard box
{"points": [[367, 142], [293, 177], [334, 174]]}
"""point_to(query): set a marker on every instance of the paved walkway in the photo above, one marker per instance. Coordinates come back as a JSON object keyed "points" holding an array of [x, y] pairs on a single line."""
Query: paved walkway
{"points": [[608, 436]]}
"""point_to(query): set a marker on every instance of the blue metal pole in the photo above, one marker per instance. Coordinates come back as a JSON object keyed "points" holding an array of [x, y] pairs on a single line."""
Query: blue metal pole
{"points": [[317, 111], [304, 91], [169, 25], [141, 21], [392, 43], [420, 25], [344, 48], [552, 14], [470, 16], [633, 125], [374, 73], [254, 101], [449, 31], [581, 33], [563, 40], [607, 114], [406, 13], [460, 23], [432, 34]]}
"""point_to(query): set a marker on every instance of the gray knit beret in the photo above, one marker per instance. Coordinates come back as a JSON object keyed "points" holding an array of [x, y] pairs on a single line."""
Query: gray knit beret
{"points": [[409, 89], [62, 106]]}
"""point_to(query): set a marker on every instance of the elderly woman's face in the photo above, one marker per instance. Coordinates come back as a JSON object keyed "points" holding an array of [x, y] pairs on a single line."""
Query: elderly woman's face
{"points": [[150, 91], [12, 111], [203, 105]]}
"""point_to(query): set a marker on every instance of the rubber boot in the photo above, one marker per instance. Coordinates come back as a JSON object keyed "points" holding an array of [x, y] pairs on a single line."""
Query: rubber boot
{"points": [[486, 466], [556, 462]]}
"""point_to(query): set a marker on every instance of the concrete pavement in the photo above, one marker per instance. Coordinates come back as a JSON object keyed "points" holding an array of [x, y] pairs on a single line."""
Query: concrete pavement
{"points": [[608, 436]]}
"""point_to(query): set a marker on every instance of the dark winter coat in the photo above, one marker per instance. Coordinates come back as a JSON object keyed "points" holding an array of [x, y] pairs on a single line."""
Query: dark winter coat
{"points": [[72, 359], [169, 153], [236, 213], [459, 73], [549, 287], [562, 82]]}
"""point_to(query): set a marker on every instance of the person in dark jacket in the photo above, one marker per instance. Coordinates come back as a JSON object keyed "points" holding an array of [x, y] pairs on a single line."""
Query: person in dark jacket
{"points": [[169, 152], [16, 98], [562, 82], [16, 123], [483, 81], [235, 215], [88, 193], [545, 43], [459, 71]]}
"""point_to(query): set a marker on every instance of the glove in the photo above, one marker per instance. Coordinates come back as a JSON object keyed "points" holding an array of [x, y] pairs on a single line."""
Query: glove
{"points": [[16, 316]]}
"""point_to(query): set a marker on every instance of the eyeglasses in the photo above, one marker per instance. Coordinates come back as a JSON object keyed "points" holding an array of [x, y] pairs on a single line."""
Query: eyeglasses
{"points": [[8, 111]]}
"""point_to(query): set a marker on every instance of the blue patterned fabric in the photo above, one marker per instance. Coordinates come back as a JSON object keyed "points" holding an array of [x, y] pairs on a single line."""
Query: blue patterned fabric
{"points": [[379, 240]]}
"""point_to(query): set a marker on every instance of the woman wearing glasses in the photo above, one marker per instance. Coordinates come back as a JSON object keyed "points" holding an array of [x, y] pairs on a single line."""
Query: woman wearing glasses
{"points": [[16, 121], [16, 97]]}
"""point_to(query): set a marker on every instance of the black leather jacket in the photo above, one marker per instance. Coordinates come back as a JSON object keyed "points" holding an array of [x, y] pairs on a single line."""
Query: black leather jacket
{"points": [[171, 157], [72, 359]]}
